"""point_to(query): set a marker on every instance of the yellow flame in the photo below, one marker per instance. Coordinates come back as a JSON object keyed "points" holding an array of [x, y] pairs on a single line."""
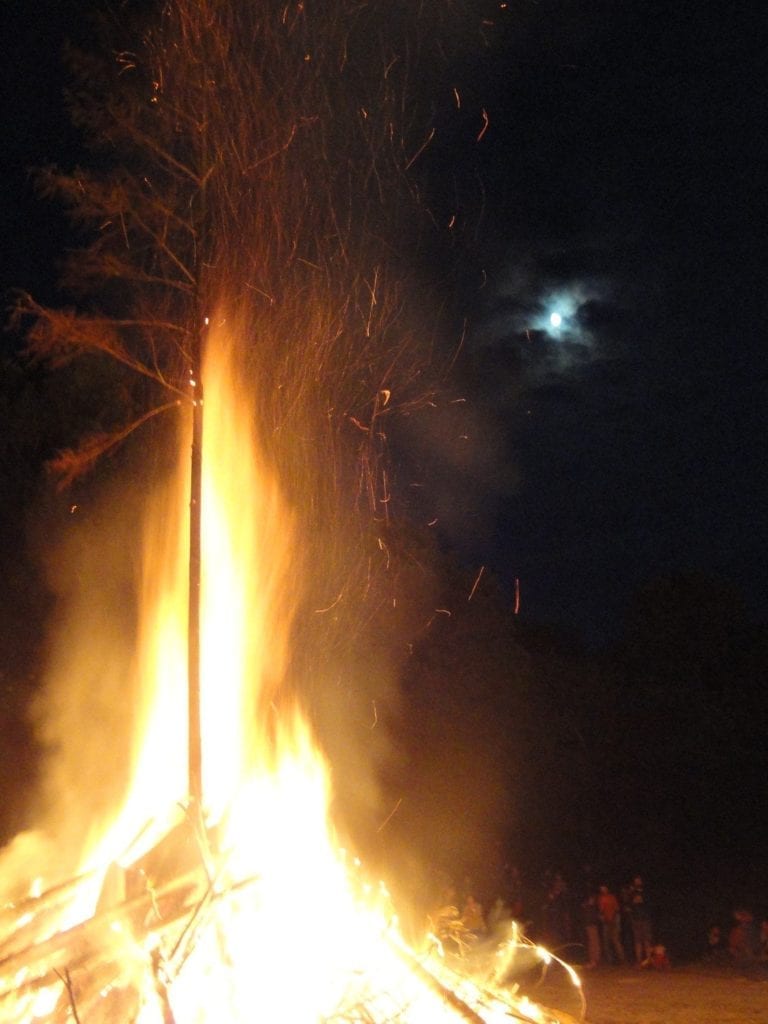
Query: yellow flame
{"points": [[296, 940], [285, 928]]}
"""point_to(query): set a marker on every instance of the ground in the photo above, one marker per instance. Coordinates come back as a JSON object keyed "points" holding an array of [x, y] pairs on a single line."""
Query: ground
{"points": [[682, 995]]}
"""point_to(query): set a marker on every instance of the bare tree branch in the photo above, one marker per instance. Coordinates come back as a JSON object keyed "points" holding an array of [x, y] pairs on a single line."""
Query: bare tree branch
{"points": [[72, 463], [60, 335]]}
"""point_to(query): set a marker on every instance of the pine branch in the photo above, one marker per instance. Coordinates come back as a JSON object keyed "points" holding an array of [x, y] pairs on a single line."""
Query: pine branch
{"points": [[70, 464], [129, 217], [87, 267], [163, 247], [60, 335], [167, 159], [89, 199]]}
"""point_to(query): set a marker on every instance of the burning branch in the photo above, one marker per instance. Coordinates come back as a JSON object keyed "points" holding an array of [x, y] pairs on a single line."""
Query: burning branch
{"points": [[67, 980]]}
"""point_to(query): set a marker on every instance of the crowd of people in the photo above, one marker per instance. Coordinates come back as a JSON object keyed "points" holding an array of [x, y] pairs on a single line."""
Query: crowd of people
{"points": [[744, 942], [593, 923]]}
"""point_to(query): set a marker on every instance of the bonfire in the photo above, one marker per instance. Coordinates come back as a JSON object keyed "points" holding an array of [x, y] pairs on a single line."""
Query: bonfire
{"points": [[213, 886], [245, 908]]}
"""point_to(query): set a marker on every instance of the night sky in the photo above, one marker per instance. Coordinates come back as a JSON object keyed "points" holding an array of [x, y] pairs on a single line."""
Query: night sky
{"points": [[620, 184], [623, 175]]}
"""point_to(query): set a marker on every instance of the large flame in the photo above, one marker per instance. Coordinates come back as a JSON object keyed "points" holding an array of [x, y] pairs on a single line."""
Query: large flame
{"points": [[284, 928]]}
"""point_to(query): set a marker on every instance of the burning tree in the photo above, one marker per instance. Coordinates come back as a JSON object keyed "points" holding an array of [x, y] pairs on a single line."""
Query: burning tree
{"points": [[248, 215], [260, 152]]}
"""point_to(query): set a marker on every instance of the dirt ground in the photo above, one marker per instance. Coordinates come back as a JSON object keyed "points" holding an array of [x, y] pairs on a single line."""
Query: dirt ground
{"points": [[682, 995]]}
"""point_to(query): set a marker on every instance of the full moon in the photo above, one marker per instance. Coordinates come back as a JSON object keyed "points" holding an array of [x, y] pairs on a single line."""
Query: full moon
{"points": [[555, 319]]}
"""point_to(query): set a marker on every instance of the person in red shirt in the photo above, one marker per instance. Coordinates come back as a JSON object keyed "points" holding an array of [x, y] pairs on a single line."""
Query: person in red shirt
{"points": [[608, 908]]}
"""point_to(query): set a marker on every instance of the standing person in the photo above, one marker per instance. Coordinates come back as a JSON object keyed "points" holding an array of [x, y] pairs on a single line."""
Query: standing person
{"points": [[742, 939], [590, 919], [608, 909], [625, 925], [513, 891], [472, 916], [555, 918], [641, 920]]}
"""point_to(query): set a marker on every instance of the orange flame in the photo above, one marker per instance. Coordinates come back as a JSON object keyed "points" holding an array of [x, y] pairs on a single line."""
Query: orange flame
{"points": [[286, 929]]}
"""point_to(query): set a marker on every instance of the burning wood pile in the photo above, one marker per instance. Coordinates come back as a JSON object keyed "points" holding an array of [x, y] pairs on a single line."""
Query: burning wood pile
{"points": [[251, 910], [144, 954]]}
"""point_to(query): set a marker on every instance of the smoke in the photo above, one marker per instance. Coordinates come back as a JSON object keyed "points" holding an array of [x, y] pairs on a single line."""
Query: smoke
{"points": [[85, 712]]}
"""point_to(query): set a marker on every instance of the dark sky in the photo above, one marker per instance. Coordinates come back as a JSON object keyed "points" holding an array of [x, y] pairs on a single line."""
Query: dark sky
{"points": [[623, 175], [622, 184]]}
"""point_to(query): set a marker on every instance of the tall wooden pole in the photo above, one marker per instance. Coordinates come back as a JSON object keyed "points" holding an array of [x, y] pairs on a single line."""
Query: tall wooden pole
{"points": [[194, 743], [195, 765]]}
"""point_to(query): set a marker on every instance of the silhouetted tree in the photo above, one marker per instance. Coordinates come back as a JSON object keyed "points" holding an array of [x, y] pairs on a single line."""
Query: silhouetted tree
{"points": [[258, 160]]}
